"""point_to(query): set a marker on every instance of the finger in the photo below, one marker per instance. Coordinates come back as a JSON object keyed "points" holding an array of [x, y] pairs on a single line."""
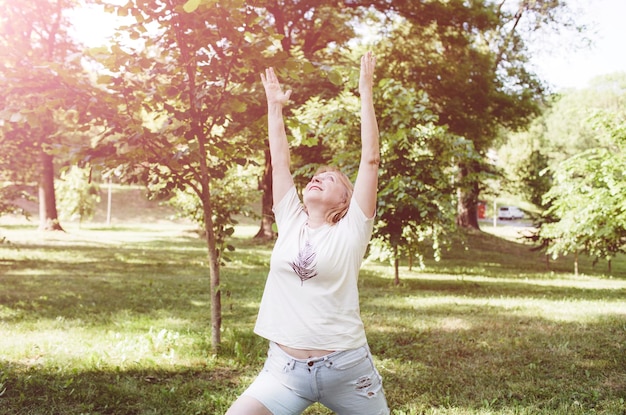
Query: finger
{"points": [[365, 60], [368, 62], [271, 75], [288, 94], [365, 68]]}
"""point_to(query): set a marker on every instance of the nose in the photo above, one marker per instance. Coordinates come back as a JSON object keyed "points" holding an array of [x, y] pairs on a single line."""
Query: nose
{"points": [[315, 179]]}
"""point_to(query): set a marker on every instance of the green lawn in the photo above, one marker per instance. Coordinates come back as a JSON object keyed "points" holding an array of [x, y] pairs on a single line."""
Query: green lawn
{"points": [[115, 320]]}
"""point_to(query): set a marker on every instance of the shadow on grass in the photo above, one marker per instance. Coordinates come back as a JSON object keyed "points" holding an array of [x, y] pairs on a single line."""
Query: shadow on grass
{"points": [[511, 346], [481, 253], [440, 341], [183, 390], [483, 346], [499, 363], [503, 363], [99, 285], [428, 285]]}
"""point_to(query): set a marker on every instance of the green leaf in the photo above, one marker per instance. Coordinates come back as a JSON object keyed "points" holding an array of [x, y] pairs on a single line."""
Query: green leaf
{"points": [[191, 5], [335, 77], [308, 67], [104, 79], [238, 106]]}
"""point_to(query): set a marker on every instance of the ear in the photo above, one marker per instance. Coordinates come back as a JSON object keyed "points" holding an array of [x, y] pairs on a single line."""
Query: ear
{"points": [[346, 197]]}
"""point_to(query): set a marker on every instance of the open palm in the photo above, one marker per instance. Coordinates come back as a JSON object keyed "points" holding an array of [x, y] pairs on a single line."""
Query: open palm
{"points": [[273, 91]]}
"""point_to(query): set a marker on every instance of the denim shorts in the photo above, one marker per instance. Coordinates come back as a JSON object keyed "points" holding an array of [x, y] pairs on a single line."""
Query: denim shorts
{"points": [[346, 382]]}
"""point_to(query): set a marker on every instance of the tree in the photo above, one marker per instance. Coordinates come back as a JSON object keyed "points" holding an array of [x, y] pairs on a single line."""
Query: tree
{"points": [[45, 96], [471, 61], [589, 196], [568, 130], [416, 193], [185, 94]]}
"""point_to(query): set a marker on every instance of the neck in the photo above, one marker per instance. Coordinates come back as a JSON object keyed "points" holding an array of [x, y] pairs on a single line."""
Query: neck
{"points": [[315, 221]]}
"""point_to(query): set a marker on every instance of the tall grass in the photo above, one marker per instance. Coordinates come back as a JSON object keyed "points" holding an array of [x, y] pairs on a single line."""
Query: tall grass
{"points": [[115, 320]]}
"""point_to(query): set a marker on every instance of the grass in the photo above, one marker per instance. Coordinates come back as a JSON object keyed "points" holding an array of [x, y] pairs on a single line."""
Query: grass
{"points": [[115, 320]]}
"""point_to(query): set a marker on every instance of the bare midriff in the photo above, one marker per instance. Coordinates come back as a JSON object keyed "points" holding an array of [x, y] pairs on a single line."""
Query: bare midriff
{"points": [[303, 353]]}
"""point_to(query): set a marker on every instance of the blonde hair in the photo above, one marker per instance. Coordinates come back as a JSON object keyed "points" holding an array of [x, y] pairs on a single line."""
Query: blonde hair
{"points": [[335, 214]]}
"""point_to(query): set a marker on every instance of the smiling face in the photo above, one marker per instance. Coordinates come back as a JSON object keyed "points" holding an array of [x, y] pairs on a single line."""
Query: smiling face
{"points": [[329, 190], [327, 184]]}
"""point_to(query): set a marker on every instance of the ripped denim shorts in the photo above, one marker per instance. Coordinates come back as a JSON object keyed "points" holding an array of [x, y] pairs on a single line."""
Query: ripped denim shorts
{"points": [[345, 382]]}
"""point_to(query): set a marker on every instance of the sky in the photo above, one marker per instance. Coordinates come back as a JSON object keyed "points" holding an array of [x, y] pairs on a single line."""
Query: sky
{"points": [[556, 60], [564, 68], [92, 26]]}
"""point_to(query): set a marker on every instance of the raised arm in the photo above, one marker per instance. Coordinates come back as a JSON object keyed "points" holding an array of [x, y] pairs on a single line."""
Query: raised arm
{"points": [[366, 186], [282, 180]]}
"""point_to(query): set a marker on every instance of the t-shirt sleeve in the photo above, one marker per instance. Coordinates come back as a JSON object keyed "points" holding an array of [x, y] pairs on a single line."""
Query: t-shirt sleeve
{"points": [[288, 209], [358, 224]]}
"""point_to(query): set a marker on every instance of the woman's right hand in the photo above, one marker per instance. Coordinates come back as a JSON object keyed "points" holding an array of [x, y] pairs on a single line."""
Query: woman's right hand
{"points": [[273, 91], [366, 78]]}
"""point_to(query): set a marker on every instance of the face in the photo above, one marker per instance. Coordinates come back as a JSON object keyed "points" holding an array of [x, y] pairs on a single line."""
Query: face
{"points": [[325, 188]]}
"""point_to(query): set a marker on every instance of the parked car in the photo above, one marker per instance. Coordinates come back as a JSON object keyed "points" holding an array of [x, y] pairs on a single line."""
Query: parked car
{"points": [[510, 213]]}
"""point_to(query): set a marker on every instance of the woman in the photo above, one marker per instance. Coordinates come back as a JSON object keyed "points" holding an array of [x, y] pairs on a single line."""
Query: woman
{"points": [[310, 307]]}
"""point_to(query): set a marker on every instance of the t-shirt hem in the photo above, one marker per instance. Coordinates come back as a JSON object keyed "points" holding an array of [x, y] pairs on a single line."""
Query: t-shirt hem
{"points": [[304, 346]]}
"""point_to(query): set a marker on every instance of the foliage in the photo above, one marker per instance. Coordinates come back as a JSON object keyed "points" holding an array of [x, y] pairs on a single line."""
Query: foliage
{"points": [[9, 196], [46, 98], [487, 88], [78, 194], [561, 131], [534, 179], [416, 192], [589, 196], [567, 130], [572, 141]]}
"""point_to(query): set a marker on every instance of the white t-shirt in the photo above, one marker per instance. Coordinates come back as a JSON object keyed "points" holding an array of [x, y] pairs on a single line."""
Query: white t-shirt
{"points": [[311, 298]]}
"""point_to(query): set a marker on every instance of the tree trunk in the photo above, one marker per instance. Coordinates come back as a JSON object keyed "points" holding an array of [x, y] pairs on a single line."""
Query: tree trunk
{"points": [[214, 273], [48, 216], [197, 129], [396, 265], [467, 200], [212, 253], [467, 211], [267, 216]]}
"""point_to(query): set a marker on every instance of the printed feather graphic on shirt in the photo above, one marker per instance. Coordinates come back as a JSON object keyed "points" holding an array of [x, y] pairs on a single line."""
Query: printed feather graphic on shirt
{"points": [[304, 265]]}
